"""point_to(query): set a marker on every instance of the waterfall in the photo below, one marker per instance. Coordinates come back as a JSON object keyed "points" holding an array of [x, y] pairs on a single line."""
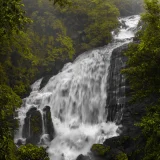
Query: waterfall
{"points": [[76, 97]]}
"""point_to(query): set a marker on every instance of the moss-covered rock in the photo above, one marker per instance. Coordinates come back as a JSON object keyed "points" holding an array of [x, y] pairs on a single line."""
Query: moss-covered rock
{"points": [[82, 157], [121, 156], [36, 123], [26, 126], [32, 129], [100, 150], [31, 152]]}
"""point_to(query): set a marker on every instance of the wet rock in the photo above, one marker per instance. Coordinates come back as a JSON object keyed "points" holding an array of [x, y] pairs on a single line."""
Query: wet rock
{"points": [[82, 157], [103, 152], [100, 150], [30, 111], [26, 126], [116, 87], [25, 131], [130, 144], [120, 111], [56, 67], [32, 128], [48, 124], [19, 142], [35, 128]]}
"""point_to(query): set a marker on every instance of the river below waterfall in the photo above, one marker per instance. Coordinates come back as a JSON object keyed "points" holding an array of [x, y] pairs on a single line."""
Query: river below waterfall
{"points": [[77, 98]]}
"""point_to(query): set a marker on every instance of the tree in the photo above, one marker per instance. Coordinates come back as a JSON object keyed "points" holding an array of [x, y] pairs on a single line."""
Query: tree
{"points": [[12, 17], [143, 73], [9, 101], [13, 46], [99, 29], [145, 57]]}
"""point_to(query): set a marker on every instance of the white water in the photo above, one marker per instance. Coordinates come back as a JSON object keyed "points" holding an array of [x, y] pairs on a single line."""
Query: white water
{"points": [[77, 97]]}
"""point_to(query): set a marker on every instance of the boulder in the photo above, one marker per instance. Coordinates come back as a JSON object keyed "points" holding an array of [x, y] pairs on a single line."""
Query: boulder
{"points": [[100, 150], [33, 125], [32, 128], [82, 157]]}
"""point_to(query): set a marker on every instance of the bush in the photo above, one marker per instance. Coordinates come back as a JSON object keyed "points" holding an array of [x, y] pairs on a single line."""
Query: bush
{"points": [[31, 152]]}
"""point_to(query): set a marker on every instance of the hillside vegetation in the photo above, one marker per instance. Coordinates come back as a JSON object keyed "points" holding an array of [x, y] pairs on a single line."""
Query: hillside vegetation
{"points": [[143, 73]]}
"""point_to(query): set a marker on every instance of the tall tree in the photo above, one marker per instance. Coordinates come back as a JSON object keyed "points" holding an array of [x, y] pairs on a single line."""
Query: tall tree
{"points": [[143, 72], [11, 16], [9, 101], [12, 20]]}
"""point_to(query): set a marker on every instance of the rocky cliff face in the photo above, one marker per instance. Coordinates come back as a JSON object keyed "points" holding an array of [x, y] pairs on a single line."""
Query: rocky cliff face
{"points": [[130, 143], [119, 109], [119, 95], [117, 87]]}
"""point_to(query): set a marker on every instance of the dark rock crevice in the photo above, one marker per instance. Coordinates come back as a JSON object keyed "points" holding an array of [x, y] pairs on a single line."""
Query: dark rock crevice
{"points": [[130, 144]]}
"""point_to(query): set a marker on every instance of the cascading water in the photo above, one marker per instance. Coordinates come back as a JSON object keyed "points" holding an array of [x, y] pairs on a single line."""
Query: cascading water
{"points": [[77, 98]]}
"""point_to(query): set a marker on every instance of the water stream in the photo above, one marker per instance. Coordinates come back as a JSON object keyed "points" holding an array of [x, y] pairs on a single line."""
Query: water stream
{"points": [[77, 97]]}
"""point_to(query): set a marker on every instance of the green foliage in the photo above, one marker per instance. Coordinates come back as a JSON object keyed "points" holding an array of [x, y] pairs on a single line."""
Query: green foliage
{"points": [[48, 34], [143, 72], [9, 101], [100, 149], [99, 30], [31, 152], [59, 32], [16, 72], [129, 7], [150, 124], [144, 57], [90, 23], [17, 62], [11, 17], [35, 123]]}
